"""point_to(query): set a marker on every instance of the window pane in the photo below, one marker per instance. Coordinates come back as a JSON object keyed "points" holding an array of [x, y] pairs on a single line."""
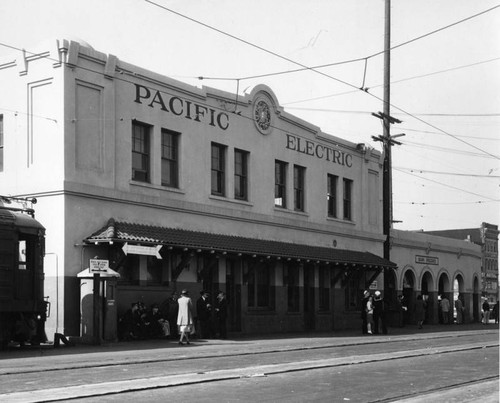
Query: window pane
{"points": [[298, 187], [169, 161], [347, 199], [140, 152], [240, 175], [155, 270], [332, 195], [280, 184], [218, 170]]}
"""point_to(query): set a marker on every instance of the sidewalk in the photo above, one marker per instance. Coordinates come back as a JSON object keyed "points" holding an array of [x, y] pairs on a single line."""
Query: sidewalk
{"points": [[256, 342]]}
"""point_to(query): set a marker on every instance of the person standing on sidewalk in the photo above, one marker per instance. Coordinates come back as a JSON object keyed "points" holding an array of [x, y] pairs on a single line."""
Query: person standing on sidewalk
{"points": [[420, 311], [460, 310], [379, 314], [185, 316], [494, 312], [445, 307], [486, 312], [369, 315], [364, 301], [204, 313], [221, 314]]}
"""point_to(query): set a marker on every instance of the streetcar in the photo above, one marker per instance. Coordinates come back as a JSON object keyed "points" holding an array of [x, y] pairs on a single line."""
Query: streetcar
{"points": [[23, 308]]}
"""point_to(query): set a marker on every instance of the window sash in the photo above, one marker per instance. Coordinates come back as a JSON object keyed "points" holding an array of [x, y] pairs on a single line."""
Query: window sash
{"points": [[298, 187], [140, 152], [259, 288], [218, 170], [332, 195], [240, 175], [170, 159], [280, 184], [347, 199]]}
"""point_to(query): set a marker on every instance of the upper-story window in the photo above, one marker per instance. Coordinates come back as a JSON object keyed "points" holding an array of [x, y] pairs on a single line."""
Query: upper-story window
{"points": [[1, 143], [170, 158], [299, 174], [280, 169], [218, 169], [347, 199], [240, 175], [331, 196], [140, 152]]}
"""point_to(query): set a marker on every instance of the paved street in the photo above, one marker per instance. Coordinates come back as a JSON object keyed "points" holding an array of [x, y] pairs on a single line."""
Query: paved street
{"points": [[459, 362]]}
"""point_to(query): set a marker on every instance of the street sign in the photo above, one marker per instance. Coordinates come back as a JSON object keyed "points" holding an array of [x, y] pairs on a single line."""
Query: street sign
{"points": [[142, 250], [98, 266]]}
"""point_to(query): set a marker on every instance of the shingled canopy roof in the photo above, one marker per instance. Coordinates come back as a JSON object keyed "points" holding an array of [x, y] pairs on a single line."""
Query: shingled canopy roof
{"points": [[181, 238]]}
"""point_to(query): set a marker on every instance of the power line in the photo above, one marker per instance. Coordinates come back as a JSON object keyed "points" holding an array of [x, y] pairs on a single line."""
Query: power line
{"points": [[448, 203], [421, 171], [399, 81], [416, 114], [445, 185], [329, 76], [441, 134], [448, 150]]}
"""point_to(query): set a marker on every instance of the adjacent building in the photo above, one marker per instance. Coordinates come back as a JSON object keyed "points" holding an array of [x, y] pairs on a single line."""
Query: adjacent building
{"points": [[487, 237]]}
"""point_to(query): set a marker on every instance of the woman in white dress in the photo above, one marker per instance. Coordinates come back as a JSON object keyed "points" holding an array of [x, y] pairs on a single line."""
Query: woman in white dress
{"points": [[185, 316]]}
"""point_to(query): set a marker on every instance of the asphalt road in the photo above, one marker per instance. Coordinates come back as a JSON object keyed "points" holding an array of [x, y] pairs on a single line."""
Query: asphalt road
{"points": [[458, 364]]}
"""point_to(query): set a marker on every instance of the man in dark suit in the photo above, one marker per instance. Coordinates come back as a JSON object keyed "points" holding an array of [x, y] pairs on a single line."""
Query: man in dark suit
{"points": [[204, 312], [221, 313]]}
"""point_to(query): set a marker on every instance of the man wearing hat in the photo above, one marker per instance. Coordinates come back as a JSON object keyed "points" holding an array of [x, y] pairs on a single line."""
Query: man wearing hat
{"points": [[204, 312], [364, 326], [379, 313]]}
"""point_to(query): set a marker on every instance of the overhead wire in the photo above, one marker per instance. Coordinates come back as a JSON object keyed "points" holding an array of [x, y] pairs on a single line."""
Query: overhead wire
{"points": [[397, 81], [335, 78], [327, 75], [417, 170], [446, 185]]}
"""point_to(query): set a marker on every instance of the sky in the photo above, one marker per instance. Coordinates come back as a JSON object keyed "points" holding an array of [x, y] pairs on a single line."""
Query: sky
{"points": [[316, 56]]}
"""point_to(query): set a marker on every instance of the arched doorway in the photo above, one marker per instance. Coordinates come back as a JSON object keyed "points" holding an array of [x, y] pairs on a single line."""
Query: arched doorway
{"points": [[475, 301], [429, 296], [458, 289], [409, 294], [444, 290]]}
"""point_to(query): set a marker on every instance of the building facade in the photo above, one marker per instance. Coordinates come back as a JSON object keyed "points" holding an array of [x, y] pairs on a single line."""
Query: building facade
{"points": [[173, 186], [433, 267], [487, 237]]}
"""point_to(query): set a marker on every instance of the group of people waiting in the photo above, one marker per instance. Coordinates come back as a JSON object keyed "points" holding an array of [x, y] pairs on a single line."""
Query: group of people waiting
{"points": [[373, 313], [488, 312], [210, 320], [139, 322], [176, 317]]}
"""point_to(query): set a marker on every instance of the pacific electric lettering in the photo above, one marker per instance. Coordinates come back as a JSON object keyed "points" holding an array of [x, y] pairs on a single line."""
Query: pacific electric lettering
{"points": [[181, 107], [307, 147]]}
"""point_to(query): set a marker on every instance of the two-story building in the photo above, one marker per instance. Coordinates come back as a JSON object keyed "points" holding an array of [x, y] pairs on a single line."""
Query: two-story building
{"points": [[173, 186]]}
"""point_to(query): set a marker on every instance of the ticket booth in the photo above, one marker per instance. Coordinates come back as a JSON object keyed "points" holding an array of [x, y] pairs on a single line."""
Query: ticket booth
{"points": [[97, 303]]}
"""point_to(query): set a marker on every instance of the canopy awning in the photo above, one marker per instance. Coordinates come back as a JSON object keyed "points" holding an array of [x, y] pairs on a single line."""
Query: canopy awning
{"points": [[143, 234]]}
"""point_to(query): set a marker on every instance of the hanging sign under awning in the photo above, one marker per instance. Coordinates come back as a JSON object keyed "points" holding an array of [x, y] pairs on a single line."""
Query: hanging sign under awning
{"points": [[98, 265], [142, 250]]}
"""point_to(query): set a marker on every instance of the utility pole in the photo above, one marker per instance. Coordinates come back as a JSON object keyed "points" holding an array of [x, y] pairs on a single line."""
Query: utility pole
{"points": [[386, 138]]}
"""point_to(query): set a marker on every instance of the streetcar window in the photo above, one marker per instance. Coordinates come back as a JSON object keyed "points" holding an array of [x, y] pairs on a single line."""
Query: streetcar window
{"points": [[22, 255]]}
